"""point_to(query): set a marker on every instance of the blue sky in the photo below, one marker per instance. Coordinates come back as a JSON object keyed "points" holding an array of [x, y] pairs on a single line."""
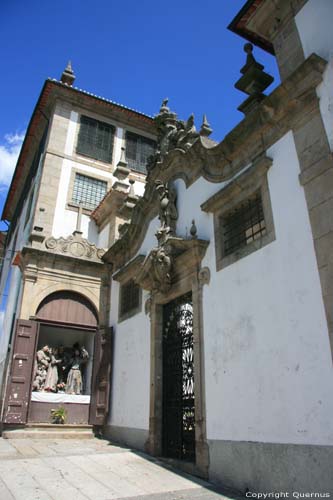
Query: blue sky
{"points": [[135, 53]]}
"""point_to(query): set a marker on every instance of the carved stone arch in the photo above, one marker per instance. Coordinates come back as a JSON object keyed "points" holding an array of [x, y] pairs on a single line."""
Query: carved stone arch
{"points": [[181, 175], [67, 306]]}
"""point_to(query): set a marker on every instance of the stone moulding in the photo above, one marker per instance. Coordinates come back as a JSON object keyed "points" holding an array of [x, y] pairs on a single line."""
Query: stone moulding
{"points": [[167, 263], [289, 103], [74, 246]]}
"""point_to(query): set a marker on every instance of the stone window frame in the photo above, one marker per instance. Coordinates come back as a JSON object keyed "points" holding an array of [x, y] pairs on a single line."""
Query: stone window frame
{"points": [[139, 135], [187, 276], [85, 123], [253, 180], [124, 315], [136, 174], [124, 276], [87, 159], [70, 204]]}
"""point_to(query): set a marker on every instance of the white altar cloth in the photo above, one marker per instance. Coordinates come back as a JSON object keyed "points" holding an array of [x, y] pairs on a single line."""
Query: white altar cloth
{"points": [[50, 397]]}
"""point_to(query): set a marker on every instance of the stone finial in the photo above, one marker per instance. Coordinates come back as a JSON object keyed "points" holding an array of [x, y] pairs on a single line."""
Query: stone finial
{"points": [[131, 190], [193, 230], [205, 129], [164, 106], [253, 82], [122, 170], [68, 76]]}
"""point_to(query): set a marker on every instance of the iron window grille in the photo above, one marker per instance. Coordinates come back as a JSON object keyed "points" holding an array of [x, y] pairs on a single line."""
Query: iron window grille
{"points": [[88, 191], [129, 298], [95, 139], [243, 225], [138, 150]]}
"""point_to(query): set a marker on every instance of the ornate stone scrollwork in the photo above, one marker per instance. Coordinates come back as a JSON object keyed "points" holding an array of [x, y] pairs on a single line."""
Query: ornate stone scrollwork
{"points": [[204, 276], [168, 213], [160, 265], [172, 134], [76, 246], [148, 305]]}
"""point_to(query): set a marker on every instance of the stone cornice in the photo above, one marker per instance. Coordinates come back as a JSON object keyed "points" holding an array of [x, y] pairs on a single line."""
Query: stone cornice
{"points": [[260, 20], [176, 258], [285, 107], [258, 168], [130, 269], [74, 246], [37, 255]]}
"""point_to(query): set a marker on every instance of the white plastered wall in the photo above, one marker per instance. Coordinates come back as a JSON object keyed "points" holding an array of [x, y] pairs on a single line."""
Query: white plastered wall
{"points": [[314, 24], [268, 370], [131, 367], [267, 354]]}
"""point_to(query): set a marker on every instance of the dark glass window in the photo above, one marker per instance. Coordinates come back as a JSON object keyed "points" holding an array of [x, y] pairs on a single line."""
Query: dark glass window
{"points": [[88, 191], [242, 225], [138, 150], [129, 297], [95, 139]]}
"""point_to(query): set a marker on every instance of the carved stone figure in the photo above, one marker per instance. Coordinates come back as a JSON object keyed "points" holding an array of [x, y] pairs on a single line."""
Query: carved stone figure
{"points": [[161, 268], [51, 380], [168, 214], [74, 380], [186, 133]]}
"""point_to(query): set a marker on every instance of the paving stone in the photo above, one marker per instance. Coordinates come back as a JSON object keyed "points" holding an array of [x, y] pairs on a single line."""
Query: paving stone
{"points": [[96, 470]]}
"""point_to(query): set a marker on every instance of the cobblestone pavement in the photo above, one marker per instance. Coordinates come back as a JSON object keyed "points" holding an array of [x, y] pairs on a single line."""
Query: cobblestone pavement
{"points": [[67, 469]]}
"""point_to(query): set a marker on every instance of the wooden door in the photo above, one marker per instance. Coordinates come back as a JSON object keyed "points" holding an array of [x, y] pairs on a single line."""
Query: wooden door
{"points": [[101, 379], [18, 390]]}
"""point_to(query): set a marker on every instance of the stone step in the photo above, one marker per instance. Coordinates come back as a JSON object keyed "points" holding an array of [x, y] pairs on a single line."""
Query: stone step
{"points": [[50, 431]]}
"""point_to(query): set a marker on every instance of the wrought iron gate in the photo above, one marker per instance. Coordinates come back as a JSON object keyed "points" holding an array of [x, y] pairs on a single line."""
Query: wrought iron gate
{"points": [[178, 380]]}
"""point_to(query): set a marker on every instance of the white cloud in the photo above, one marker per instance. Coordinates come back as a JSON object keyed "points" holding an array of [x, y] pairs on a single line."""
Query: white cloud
{"points": [[9, 151]]}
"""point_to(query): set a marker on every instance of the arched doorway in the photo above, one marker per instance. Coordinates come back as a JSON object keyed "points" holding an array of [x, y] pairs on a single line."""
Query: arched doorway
{"points": [[67, 307], [56, 361]]}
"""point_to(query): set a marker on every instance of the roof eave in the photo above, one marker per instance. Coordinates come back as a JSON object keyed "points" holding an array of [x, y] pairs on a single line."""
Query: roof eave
{"points": [[238, 26]]}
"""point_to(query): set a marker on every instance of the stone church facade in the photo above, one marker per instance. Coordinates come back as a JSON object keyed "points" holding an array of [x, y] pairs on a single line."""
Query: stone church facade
{"points": [[204, 279]]}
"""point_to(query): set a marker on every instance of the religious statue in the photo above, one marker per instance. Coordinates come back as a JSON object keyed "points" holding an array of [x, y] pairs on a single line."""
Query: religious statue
{"points": [[51, 380], [58, 369], [74, 383], [41, 366], [168, 214], [63, 367], [39, 380]]}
